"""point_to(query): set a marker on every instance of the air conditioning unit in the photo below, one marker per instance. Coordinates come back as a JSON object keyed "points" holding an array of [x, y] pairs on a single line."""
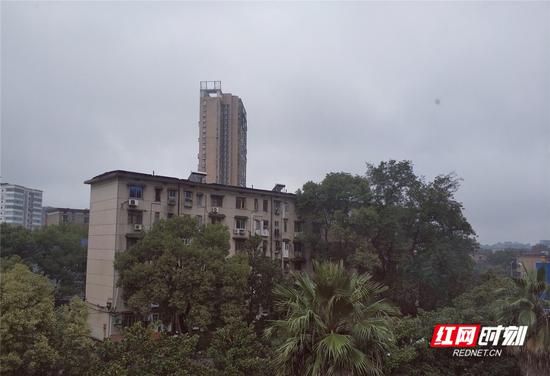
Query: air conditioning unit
{"points": [[215, 210], [133, 202], [241, 231], [138, 227], [236, 231]]}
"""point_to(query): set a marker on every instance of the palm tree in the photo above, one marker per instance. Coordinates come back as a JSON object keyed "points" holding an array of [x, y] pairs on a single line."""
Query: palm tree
{"points": [[529, 305], [334, 323]]}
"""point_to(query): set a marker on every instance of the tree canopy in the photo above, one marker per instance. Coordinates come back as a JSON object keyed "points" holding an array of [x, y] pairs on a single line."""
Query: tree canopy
{"points": [[409, 233], [182, 269], [38, 339], [54, 251]]}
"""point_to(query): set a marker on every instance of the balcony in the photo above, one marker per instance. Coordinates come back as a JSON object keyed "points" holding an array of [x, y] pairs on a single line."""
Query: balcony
{"points": [[136, 231], [286, 252], [262, 232], [239, 233]]}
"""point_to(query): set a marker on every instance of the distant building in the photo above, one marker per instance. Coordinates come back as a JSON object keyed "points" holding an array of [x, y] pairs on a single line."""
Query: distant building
{"points": [[20, 205], [534, 260], [123, 205], [60, 216], [540, 247], [222, 136]]}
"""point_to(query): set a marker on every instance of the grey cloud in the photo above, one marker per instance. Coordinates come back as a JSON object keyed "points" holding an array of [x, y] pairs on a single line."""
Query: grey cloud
{"points": [[90, 87]]}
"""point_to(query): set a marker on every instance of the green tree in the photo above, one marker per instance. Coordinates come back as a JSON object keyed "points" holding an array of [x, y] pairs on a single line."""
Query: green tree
{"points": [[27, 321], [53, 251], [36, 338], [334, 323], [182, 267], [409, 233], [264, 274], [411, 354], [236, 351], [142, 352], [72, 339], [529, 305]]}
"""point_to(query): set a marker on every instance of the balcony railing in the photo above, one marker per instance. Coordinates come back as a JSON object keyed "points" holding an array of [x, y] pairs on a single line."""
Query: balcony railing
{"points": [[262, 232]]}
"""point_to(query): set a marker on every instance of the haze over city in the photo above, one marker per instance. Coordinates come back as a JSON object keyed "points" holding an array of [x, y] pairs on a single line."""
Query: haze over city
{"points": [[88, 88]]}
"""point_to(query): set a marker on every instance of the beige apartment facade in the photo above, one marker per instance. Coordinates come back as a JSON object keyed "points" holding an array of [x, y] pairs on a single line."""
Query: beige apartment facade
{"points": [[63, 216], [222, 136], [124, 205]]}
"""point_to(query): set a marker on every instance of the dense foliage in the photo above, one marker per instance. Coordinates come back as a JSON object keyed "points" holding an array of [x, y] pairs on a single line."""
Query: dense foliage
{"points": [[333, 323], [37, 338], [56, 252], [142, 352], [182, 269], [409, 233]]}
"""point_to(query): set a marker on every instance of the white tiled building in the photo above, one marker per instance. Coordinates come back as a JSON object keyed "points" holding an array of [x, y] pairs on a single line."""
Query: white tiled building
{"points": [[20, 205]]}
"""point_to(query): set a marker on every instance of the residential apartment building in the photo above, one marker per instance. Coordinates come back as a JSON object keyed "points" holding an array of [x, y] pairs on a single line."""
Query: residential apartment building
{"points": [[20, 205], [63, 216], [222, 136], [123, 205]]}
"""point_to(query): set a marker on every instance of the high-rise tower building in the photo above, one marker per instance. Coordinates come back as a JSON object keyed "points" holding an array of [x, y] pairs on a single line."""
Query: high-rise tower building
{"points": [[222, 136], [20, 205]]}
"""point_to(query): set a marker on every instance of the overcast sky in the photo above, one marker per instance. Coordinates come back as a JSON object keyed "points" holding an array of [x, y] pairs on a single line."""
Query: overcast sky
{"points": [[93, 87]]}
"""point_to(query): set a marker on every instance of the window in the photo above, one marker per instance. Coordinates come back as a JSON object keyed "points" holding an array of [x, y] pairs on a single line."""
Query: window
{"points": [[276, 223], [200, 200], [217, 201], [266, 224], [264, 247], [136, 191], [241, 203], [130, 242], [255, 204], [188, 199], [298, 226], [285, 225], [216, 219], [172, 194], [158, 192], [277, 245], [170, 215], [277, 206], [240, 223], [64, 218], [265, 205], [157, 217], [135, 217], [128, 319], [199, 219], [257, 224]]}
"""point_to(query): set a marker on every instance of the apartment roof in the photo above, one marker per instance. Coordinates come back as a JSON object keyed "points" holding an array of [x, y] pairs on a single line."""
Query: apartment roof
{"points": [[168, 179], [51, 209], [20, 186]]}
